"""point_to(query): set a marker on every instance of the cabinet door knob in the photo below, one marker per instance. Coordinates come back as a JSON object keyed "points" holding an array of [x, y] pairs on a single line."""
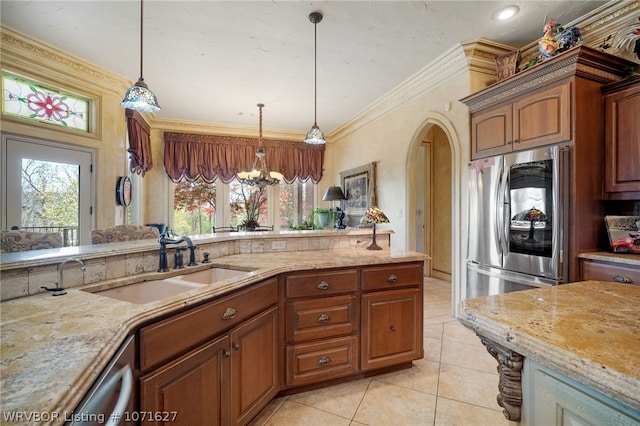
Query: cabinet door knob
{"points": [[226, 353], [323, 285], [392, 279], [325, 360], [323, 318], [236, 347], [230, 313], [622, 279], [392, 328]]}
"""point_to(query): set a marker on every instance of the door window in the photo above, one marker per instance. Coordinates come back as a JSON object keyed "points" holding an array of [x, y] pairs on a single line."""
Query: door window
{"points": [[47, 188]]}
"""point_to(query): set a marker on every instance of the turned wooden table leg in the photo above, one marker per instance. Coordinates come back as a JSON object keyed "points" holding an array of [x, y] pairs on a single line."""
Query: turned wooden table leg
{"points": [[510, 385]]}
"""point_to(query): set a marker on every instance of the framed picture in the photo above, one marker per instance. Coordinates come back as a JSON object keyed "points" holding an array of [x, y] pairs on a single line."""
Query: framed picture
{"points": [[359, 186]]}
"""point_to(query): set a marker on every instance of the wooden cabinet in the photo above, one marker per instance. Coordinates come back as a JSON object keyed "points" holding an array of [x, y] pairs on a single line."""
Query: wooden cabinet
{"points": [[193, 388], [622, 139], [539, 118], [349, 321], [254, 366], [322, 317], [391, 323], [213, 364], [599, 270]]}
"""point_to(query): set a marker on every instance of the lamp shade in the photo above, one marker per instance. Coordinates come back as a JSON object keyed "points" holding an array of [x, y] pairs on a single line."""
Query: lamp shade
{"points": [[374, 215], [140, 98], [333, 193]]}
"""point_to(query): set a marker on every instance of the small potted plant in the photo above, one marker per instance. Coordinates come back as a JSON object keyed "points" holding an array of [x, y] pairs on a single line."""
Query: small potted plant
{"points": [[323, 215]]}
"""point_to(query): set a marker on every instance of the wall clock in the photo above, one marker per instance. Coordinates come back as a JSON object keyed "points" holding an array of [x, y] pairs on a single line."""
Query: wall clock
{"points": [[123, 191]]}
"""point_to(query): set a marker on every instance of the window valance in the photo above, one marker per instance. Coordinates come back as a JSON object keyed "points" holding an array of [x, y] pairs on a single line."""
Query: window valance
{"points": [[139, 143], [192, 156]]}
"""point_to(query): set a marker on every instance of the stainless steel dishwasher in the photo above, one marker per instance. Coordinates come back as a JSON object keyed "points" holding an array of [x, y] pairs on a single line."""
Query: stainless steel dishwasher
{"points": [[112, 394]]}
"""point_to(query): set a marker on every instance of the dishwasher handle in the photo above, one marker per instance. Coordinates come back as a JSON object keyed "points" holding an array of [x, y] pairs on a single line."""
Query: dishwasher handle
{"points": [[106, 390], [124, 397]]}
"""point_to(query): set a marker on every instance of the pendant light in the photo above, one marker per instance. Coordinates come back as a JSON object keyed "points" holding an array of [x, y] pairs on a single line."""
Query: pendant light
{"points": [[315, 135], [139, 97], [259, 175]]}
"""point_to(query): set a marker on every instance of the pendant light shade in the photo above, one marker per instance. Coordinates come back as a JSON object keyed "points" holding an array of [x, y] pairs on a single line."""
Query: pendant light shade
{"points": [[259, 175], [139, 97], [315, 135]]}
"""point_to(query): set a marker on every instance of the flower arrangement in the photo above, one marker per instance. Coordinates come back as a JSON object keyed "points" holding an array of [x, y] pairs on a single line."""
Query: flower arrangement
{"points": [[252, 202]]}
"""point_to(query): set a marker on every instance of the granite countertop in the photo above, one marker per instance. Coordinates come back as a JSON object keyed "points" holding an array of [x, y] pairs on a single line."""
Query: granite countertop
{"points": [[589, 331], [53, 348], [630, 259]]}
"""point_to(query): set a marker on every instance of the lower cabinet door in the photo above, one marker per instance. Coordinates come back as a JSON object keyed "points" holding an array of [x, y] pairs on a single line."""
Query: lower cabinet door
{"points": [[391, 327], [192, 390], [254, 366]]}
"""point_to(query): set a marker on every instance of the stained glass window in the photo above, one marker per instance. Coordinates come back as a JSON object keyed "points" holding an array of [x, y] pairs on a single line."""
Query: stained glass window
{"points": [[21, 98]]}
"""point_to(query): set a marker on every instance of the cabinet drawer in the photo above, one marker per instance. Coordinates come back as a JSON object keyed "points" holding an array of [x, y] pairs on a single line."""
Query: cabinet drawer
{"points": [[318, 362], [326, 317], [602, 271], [321, 283], [391, 276], [173, 336]]}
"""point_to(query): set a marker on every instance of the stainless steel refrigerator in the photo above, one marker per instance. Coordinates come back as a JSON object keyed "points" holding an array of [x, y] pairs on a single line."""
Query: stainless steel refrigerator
{"points": [[517, 221]]}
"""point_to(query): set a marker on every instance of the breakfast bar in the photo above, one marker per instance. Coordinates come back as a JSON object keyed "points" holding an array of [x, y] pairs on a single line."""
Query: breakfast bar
{"points": [[572, 346]]}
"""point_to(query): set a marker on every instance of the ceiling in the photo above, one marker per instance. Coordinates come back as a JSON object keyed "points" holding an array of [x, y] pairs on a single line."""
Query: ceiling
{"points": [[213, 61]]}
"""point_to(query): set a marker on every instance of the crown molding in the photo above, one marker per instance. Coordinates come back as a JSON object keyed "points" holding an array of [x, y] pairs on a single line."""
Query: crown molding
{"points": [[477, 55], [22, 54]]}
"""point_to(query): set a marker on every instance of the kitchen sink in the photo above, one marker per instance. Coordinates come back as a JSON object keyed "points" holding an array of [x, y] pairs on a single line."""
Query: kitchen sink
{"points": [[150, 291], [212, 275]]}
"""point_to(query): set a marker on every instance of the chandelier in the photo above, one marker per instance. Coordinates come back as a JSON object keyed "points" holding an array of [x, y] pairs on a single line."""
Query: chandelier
{"points": [[259, 175]]}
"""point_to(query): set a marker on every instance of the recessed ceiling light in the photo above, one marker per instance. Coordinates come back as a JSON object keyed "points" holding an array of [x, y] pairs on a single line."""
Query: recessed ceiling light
{"points": [[505, 13]]}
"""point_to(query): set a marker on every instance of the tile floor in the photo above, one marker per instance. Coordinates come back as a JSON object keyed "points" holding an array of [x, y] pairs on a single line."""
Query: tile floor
{"points": [[455, 384]]}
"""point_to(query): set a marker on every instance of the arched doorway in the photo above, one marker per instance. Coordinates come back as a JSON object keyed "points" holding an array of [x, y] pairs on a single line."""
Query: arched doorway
{"points": [[434, 194]]}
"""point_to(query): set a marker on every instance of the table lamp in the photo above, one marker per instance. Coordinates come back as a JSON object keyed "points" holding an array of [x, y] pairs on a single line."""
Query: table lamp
{"points": [[332, 194], [374, 215]]}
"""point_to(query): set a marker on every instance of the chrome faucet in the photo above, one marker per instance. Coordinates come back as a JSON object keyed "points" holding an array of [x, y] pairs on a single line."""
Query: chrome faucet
{"points": [[60, 290], [164, 240]]}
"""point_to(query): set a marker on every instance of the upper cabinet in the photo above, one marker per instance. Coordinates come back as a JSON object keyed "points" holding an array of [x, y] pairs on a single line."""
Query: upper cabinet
{"points": [[622, 139], [540, 118], [541, 105]]}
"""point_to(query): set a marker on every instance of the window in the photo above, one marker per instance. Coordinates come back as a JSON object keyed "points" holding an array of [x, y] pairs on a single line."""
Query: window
{"points": [[47, 187], [29, 100], [296, 204], [196, 210], [194, 206]]}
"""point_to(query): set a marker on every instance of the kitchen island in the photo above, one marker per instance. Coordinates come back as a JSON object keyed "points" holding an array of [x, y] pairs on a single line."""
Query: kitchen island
{"points": [[574, 346], [53, 348]]}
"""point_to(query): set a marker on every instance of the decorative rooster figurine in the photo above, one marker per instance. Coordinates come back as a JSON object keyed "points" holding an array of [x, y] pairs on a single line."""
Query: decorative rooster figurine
{"points": [[548, 45], [628, 38]]}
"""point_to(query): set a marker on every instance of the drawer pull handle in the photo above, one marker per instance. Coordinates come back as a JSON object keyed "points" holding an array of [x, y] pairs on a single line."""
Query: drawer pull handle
{"points": [[392, 279], [323, 318], [323, 285], [230, 313], [622, 279], [325, 360]]}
